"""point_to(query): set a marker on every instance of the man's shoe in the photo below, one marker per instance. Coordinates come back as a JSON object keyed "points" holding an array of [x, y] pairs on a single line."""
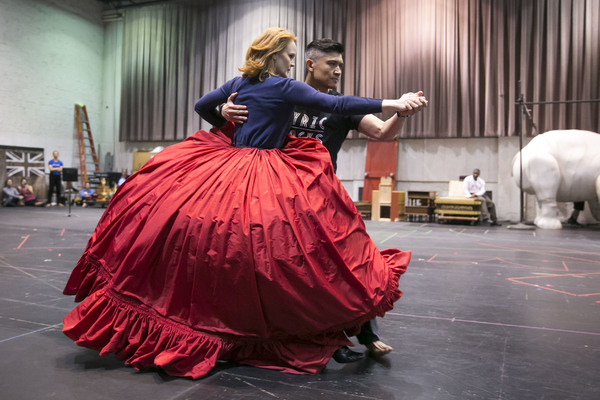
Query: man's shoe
{"points": [[344, 355], [495, 223]]}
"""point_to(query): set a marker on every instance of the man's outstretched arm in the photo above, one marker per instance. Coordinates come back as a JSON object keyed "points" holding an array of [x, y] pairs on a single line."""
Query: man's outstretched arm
{"points": [[378, 129]]}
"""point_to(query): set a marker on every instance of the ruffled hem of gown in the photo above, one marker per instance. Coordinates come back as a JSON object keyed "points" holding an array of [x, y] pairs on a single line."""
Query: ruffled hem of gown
{"points": [[111, 323]]}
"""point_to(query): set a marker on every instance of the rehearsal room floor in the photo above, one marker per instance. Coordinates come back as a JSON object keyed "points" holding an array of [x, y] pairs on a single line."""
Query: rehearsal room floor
{"points": [[487, 313]]}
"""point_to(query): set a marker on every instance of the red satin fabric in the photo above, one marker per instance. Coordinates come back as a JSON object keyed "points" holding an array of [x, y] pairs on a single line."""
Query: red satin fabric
{"points": [[212, 252]]}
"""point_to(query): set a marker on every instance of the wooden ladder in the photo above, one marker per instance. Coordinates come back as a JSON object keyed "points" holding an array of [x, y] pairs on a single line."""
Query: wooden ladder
{"points": [[87, 150]]}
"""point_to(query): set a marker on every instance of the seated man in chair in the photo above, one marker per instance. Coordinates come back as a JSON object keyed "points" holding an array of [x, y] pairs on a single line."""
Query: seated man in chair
{"points": [[474, 187], [86, 196]]}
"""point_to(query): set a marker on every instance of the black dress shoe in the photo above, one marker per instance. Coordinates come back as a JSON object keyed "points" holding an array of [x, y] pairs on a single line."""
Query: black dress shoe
{"points": [[495, 223], [344, 355]]}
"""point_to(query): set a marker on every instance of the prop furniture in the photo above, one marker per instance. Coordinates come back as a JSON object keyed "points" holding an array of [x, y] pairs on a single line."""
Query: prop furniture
{"points": [[456, 206], [387, 204], [420, 205]]}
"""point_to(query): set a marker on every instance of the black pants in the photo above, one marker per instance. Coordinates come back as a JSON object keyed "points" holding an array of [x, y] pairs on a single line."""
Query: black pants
{"points": [[55, 185], [368, 333]]}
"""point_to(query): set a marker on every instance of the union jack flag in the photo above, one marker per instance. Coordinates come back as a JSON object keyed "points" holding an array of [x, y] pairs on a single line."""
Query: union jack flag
{"points": [[24, 163]]}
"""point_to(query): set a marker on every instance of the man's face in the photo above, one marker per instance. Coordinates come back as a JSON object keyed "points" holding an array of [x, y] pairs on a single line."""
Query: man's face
{"points": [[55, 154], [475, 174], [327, 69]]}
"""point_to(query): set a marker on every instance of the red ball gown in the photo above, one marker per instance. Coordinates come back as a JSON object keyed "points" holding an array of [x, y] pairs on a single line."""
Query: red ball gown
{"points": [[214, 252]]}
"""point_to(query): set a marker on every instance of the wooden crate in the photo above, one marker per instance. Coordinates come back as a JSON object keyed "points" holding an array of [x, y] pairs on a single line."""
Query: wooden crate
{"points": [[388, 211]]}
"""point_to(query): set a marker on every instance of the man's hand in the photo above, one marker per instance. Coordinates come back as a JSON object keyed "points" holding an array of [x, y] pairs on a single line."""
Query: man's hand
{"points": [[232, 112], [407, 105], [412, 103]]}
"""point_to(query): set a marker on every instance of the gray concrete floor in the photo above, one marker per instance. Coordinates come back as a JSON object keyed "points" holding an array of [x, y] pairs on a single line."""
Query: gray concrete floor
{"points": [[487, 313]]}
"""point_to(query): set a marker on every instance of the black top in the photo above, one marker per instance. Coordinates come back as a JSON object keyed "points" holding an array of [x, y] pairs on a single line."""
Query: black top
{"points": [[329, 129]]}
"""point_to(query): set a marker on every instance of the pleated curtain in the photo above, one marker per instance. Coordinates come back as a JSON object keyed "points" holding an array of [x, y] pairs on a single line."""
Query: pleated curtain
{"points": [[466, 55]]}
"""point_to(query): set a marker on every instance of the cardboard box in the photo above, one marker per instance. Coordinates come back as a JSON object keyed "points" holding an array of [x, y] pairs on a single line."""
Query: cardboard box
{"points": [[140, 158], [385, 190]]}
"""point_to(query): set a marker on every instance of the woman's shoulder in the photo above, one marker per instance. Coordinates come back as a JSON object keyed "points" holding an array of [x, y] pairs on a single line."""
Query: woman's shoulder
{"points": [[287, 84], [233, 82], [239, 82], [279, 80], [237, 79]]}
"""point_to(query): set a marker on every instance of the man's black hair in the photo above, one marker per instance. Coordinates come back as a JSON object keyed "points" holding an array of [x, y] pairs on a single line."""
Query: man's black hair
{"points": [[323, 46]]}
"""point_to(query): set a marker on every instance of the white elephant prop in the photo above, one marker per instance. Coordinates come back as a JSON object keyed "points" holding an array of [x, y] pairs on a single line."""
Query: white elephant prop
{"points": [[561, 166]]}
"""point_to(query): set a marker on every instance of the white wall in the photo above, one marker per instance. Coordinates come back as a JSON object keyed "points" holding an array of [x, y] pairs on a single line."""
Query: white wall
{"points": [[51, 57]]}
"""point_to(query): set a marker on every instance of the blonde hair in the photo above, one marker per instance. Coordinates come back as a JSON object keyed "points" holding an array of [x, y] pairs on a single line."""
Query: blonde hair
{"points": [[259, 57]]}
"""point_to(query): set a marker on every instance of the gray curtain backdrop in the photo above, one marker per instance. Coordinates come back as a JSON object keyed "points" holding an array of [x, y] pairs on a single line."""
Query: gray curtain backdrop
{"points": [[466, 55]]}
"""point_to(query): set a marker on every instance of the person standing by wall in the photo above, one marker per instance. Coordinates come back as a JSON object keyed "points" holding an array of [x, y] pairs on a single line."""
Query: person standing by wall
{"points": [[55, 166]]}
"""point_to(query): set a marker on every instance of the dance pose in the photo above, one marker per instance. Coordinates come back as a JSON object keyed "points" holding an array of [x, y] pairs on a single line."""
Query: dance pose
{"points": [[324, 62], [246, 250]]}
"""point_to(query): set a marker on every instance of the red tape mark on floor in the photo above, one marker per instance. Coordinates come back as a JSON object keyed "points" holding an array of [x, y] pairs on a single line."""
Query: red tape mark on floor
{"points": [[516, 280], [23, 242]]}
